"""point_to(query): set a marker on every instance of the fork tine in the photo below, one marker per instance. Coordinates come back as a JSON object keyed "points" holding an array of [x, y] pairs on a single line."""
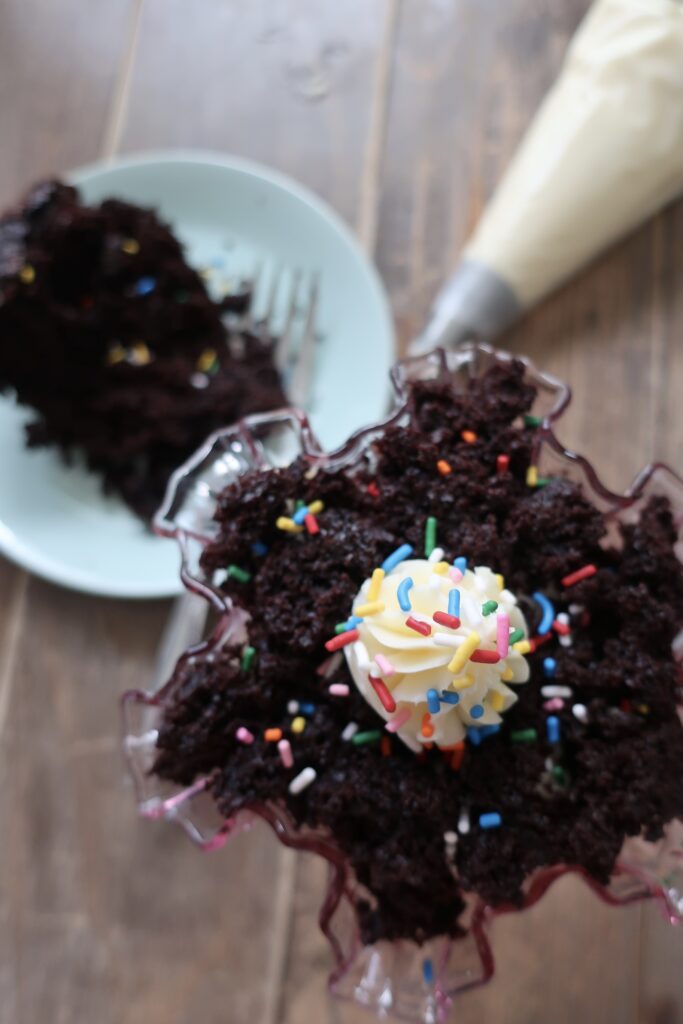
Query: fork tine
{"points": [[284, 342], [303, 368]]}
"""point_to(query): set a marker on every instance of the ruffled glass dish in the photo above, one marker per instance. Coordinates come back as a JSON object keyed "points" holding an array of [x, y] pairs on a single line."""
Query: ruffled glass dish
{"points": [[389, 978]]}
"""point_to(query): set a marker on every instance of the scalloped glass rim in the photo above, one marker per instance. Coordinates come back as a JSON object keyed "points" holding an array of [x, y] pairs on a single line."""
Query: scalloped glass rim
{"points": [[386, 977]]}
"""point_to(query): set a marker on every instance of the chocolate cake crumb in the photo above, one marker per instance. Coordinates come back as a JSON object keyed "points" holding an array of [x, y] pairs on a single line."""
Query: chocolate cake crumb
{"points": [[614, 775], [112, 339]]}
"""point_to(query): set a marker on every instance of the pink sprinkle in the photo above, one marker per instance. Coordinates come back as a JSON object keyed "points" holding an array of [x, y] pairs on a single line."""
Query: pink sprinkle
{"points": [[286, 756], [503, 634], [398, 720], [384, 694], [455, 574], [556, 704], [339, 690], [244, 736], [384, 665], [419, 627]]}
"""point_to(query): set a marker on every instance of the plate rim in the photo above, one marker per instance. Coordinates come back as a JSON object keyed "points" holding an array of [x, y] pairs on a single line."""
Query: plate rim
{"points": [[61, 574]]}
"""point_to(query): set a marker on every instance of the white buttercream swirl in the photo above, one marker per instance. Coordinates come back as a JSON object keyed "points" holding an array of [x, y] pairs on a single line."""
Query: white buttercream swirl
{"points": [[410, 664]]}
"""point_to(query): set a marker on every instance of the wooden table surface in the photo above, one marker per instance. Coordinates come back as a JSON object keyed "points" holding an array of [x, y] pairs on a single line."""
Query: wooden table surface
{"points": [[403, 114]]}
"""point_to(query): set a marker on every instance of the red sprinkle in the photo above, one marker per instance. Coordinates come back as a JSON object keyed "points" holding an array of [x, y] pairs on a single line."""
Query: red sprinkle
{"points": [[579, 575], [383, 692], [385, 746], [311, 523], [373, 490], [561, 627], [503, 463], [537, 641], [485, 657], [444, 619], [342, 640], [419, 627]]}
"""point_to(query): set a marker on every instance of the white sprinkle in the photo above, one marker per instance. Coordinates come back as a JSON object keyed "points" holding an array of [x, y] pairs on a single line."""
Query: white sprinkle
{"points": [[450, 838], [575, 609], [580, 712], [362, 657], [339, 690], [349, 731], [556, 691], [302, 780], [311, 473], [565, 641], [563, 618], [330, 665], [293, 707], [436, 556], [549, 764], [464, 822], [448, 640], [435, 581]]}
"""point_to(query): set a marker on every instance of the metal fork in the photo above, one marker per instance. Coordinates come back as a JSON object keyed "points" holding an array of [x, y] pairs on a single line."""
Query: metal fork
{"points": [[294, 358]]}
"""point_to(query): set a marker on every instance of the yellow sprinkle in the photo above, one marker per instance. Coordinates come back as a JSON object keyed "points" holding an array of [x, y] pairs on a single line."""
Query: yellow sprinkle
{"points": [[375, 584], [462, 682], [523, 646], [462, 655], [130, 246], [115, 355], [370, 608], [206, 359], [507, 674], [500, 580], [532, 476], [27, 274], [298, 724], [141, 354], [497, 701], [288, 525], [441, 568], [316, 507]]}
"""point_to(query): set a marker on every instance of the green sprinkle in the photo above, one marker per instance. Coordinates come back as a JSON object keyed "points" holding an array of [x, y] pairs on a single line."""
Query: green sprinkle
{"points": [[247, 658], [371, 736], [299, 504], [559, 774], [543, 481], [241, 575], [488, 607], [430, 536], [532, 421], [524, 736], [341, 627], [516, 636]]}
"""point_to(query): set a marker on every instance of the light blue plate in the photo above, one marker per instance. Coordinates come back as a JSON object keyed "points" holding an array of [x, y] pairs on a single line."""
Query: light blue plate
{"points": [[231, 215]]}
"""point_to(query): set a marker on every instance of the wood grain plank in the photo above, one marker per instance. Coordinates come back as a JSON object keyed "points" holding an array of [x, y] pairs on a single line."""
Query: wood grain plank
{"points": [[58, 68], [286, 83]]}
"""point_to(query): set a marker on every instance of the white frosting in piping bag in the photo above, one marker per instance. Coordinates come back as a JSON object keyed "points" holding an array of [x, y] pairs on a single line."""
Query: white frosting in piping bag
{"points": [[406, 665], [603, 153]]}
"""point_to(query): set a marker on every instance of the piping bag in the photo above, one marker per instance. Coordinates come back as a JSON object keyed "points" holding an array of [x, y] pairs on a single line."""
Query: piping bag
{"points": [[603, 153]]}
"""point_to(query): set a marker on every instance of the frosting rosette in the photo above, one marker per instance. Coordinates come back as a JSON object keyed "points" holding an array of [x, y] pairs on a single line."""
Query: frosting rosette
{"points": [[438, 649]]}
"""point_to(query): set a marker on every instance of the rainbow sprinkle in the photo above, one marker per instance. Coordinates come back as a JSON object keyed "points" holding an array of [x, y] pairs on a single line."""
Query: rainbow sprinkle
{"points": [[402, 594], [490, 820], [547, 611], [430, 535], [396, 557], [577, 577], [489, 607], [248, 655], [362, 739], [235, 573]]}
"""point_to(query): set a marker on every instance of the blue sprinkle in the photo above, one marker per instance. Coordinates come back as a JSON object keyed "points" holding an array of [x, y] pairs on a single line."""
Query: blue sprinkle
{"points": [[490, 820], [397, 556], [549, 666], [258, 548], [306, 709], [449, 697], [454, 602], [474, 735], [546, 623], [488, 730], [144, 286], [352, 622], [402, 594], [477, 710], [428, 971], [461, 564], [552, 726], [300, 515], [433, 702]]}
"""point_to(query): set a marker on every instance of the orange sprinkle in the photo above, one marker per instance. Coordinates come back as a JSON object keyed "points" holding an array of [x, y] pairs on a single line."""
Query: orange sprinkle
{"points": [[427, 727], [468, 436], [458, 755], [385, 746], [273, 735], [444, 467]]}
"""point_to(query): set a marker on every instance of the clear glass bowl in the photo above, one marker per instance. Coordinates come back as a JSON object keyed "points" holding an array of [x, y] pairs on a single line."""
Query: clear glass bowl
{"points": [[386, 977]]}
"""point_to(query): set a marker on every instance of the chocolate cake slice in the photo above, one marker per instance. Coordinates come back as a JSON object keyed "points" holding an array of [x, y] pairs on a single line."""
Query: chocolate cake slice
{"points": [[451, 670], [112, 339]]}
